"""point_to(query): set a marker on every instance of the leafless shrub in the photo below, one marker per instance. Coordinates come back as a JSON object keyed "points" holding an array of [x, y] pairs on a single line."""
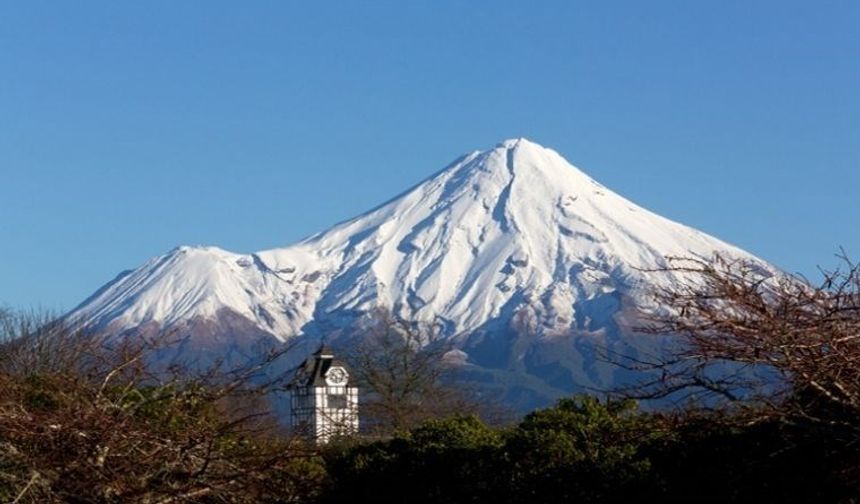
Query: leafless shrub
{"points": [[774, 346], [84, 419], [404, 379]]}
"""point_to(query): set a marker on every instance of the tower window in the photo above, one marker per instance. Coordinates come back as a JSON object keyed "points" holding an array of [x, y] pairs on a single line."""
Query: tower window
{"points": [[336, 401]]}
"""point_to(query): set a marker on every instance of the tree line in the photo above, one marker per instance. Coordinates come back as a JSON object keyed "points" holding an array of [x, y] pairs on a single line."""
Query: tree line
{"points": [[765, 369]]}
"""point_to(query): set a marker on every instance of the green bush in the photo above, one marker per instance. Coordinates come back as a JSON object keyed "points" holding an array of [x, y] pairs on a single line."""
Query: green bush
{"points": [[581, 448]]}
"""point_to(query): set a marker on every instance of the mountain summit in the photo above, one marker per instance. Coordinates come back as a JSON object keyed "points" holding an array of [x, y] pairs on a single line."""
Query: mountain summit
{"points": [[520, 259]]}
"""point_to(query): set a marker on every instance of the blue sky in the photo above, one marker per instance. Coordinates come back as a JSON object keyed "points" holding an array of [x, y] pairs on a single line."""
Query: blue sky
{"points": [[127, 128]]}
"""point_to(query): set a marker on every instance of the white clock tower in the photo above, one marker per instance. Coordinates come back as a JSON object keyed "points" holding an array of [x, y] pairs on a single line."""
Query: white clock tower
{"points": [[324, 402]]}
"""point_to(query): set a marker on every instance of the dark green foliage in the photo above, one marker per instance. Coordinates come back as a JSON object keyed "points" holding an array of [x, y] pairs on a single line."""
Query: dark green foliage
{"points": [[585, 450], [710, 458], [581, 449], [40, 393], [452, 460]]}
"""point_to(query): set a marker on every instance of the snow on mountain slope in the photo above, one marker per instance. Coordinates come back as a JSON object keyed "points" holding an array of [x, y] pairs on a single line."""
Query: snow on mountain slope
{"points": [[185, 283], [499, 248], [514, 220]]}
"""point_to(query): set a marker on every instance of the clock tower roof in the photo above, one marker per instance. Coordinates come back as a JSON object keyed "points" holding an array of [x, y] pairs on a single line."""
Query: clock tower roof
{"points": [[313, 371], [324, 351]]}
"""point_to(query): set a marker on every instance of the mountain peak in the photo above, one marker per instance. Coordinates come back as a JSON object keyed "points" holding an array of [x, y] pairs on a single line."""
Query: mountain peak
{"points": [[519, 163], [510, 143], [519, 148]]}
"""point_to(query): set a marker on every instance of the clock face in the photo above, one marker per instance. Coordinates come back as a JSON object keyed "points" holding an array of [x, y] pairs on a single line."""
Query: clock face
{"points": [[336, 376]]}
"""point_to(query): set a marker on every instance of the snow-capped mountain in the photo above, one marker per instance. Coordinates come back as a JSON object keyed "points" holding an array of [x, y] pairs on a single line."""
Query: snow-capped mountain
{"points": [[516, 256]]}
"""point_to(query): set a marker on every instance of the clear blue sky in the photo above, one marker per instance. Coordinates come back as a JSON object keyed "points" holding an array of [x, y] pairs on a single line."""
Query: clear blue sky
{"points": [[127, 128]]}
